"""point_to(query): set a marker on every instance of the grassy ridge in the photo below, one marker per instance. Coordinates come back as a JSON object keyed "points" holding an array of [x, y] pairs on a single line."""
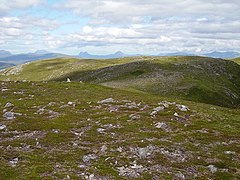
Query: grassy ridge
{"points": [[207, 80], [201, 79]]}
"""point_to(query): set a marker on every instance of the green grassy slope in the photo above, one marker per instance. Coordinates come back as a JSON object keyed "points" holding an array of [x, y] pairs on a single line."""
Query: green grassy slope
{"points": [[237, 60], [54, 68], [200, 79], [62, 131], [207, 80]]}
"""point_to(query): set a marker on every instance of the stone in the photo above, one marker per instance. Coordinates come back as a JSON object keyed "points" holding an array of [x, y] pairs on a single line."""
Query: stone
{"points": [[14, 162], [68, 80], [100, 130], [70, 103], [9, 115], [2, 127], [162, 125], [212, 168], [229, 152], [182, 107], [144, 152], [134, 116], [103, 148], [109, 100], [176, 114], [180, 175], [8, 105], [89, 157], [159, 108]]}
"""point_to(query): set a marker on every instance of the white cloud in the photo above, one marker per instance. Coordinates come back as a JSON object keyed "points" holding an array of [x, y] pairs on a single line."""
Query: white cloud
{"points": [[6, 6]]}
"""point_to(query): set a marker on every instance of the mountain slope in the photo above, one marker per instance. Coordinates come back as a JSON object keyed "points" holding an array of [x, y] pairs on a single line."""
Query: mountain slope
{"points": [[208, 80], [73, 130]]}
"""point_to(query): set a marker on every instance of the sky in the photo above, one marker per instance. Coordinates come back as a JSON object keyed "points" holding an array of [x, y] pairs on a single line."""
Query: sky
{"points": [[131, 26]]}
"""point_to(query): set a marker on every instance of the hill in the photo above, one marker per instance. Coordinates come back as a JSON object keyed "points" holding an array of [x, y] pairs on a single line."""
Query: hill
{"points": [[237, 60], [59, 130], [207, 80]]}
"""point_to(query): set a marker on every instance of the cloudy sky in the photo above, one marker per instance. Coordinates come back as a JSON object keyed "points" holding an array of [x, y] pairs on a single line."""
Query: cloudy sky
{"points": [[132, 26]]}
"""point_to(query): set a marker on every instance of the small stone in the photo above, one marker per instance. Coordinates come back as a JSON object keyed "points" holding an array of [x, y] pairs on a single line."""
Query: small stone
{"points": [[8, 105], [9, 115], [13, 162], [100, 130], [180, 175], [229, 152], [182, 107], [2, 127], [103, 148], [89, 157], [162, 125], [176, 114], [212, 168], [160, 108], [134, 117], [91, 176], [70, 103], [109, 100], [68, 80]]}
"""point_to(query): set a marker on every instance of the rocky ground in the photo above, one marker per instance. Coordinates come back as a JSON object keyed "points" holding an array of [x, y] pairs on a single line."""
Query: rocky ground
{"points": [[52, 130]]}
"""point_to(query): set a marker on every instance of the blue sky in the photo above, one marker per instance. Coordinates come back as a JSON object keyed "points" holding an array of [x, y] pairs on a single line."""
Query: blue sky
{"points": [[106, 26]]}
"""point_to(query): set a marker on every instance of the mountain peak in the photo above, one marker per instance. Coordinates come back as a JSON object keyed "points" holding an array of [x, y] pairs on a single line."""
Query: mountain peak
{"points": [[4, 53], [119, 53], [41, 52]]}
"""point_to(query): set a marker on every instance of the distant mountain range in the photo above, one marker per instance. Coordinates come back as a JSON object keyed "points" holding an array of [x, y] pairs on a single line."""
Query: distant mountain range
{"points": [[7, 57], [118, 54], [5, 65], [223, 55], [11, 59]]}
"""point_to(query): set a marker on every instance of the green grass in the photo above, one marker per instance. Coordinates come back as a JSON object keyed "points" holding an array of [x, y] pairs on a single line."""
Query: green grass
{"points": [[56, 156]]}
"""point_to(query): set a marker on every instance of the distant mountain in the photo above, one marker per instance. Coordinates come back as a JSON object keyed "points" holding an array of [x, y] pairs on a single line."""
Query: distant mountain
{"points": [[118, 54], [4, 65], [227, 54], [4, 53], [176, 54], [38, 55]]}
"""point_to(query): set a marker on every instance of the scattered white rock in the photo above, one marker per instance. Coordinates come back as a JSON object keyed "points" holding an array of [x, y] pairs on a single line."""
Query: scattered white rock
{"points": [[120, 149], [144, 152], [182, 107], [162, 125], [176, 114], [156, 110], [103, 148], [159, 108], [8, 105], [212, 168], [89, 157], [229, 152], [14, 162], [109, 100], [68, 80], [180, 175], [134, 116], [9, 115], [70, 103], [100, 130], [2, 127]]}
